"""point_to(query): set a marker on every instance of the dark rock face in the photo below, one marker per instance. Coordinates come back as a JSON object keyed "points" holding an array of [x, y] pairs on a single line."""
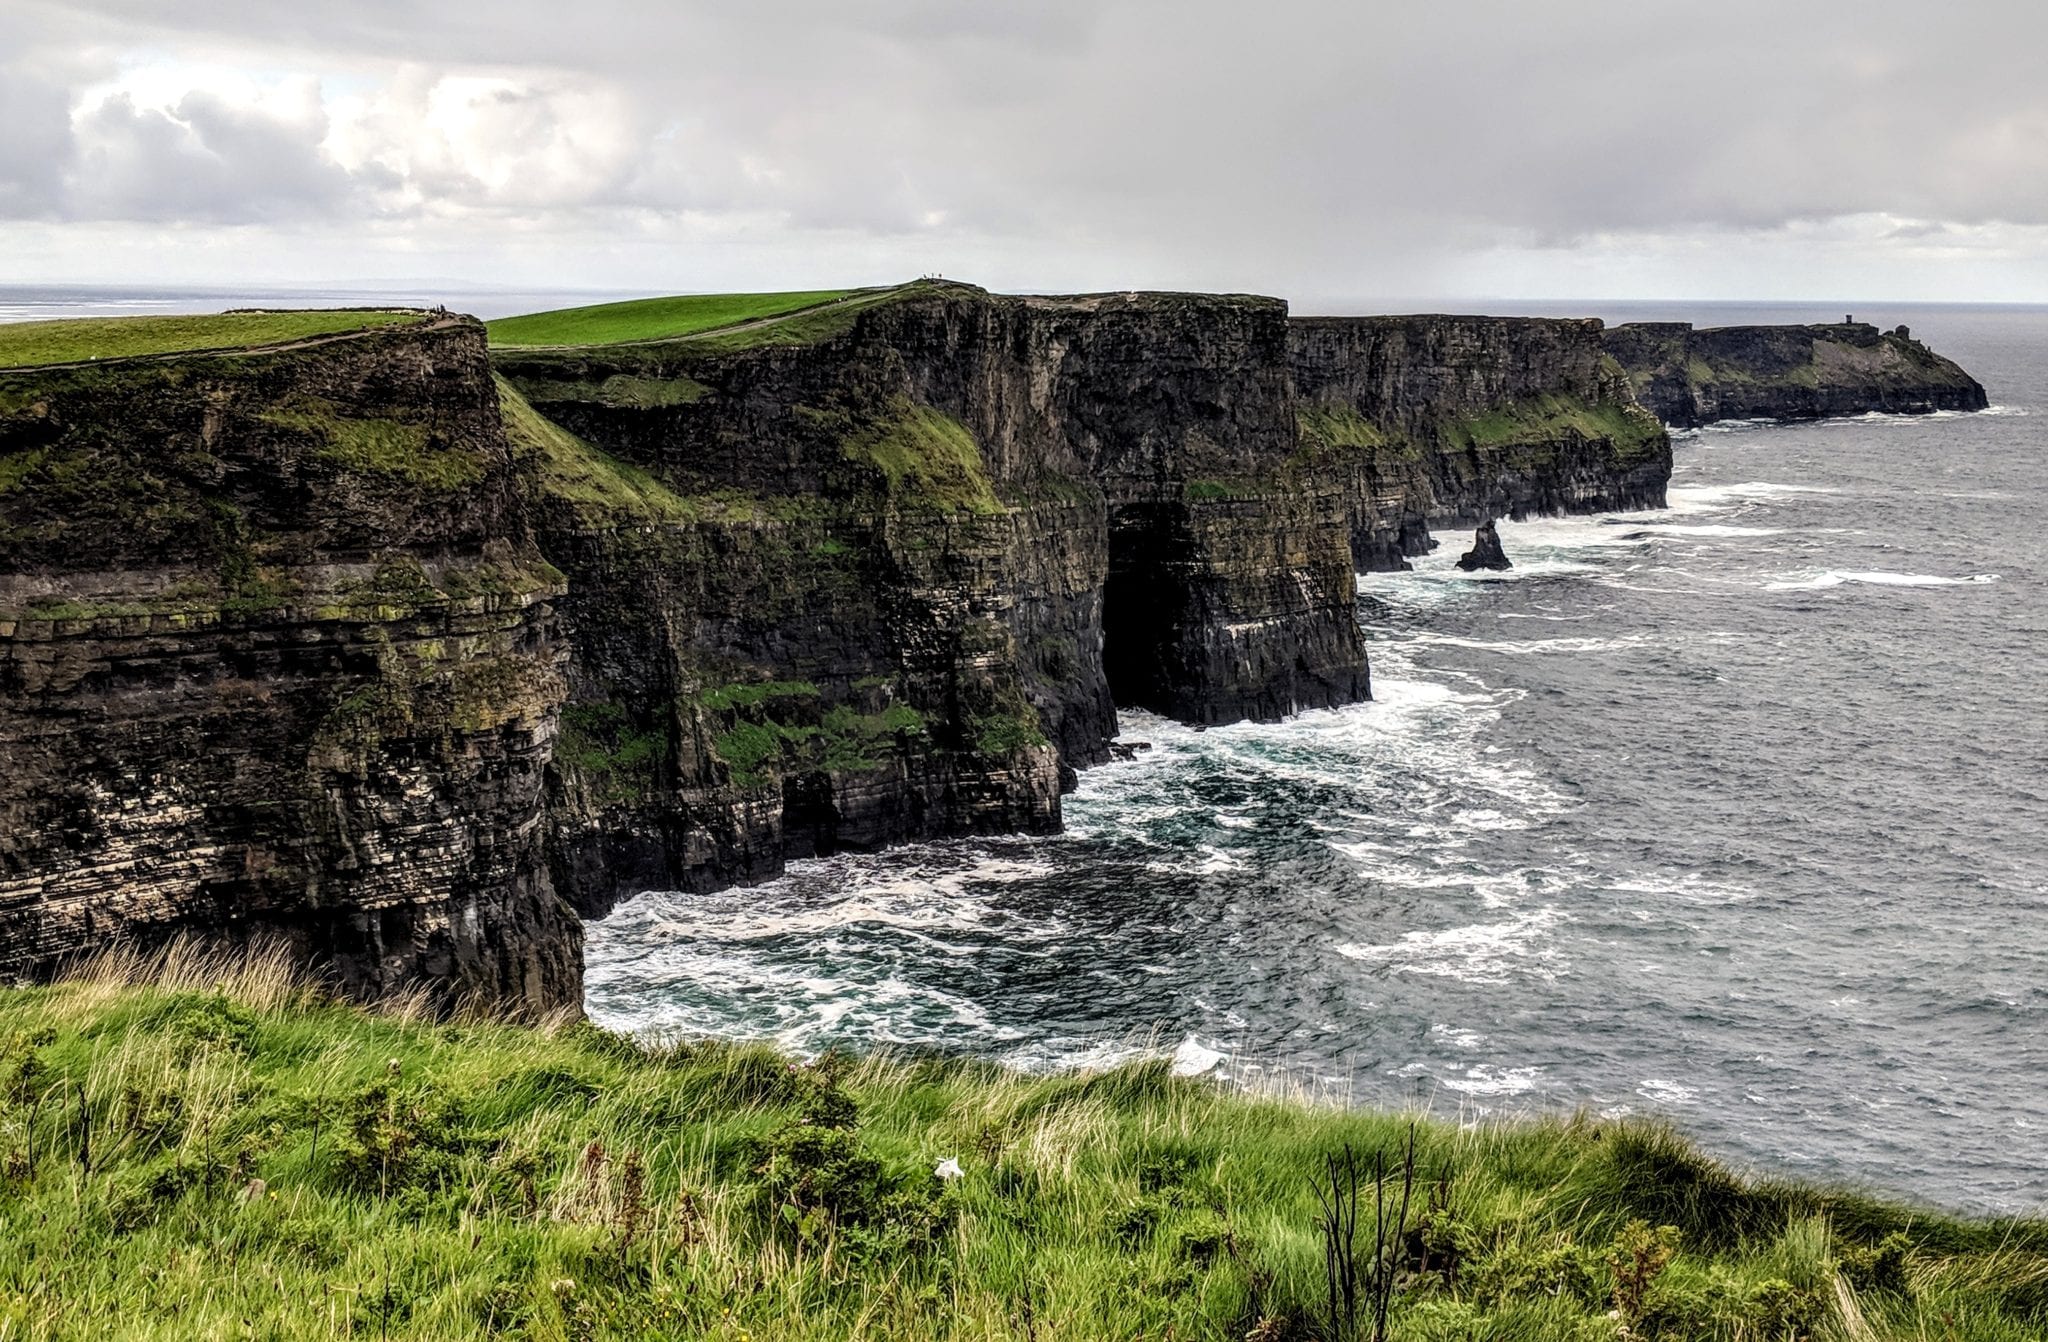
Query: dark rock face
{"points": [[1485, 552], [899, 578], [1691, 377], [277, 659], [1450, 421], [407, 661]]}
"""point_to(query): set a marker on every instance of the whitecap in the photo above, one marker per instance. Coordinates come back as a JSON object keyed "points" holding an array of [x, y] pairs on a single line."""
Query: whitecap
{"points": [[1811, 581], [1524, 647], [1475, 953], [1487, 1080], [1659, 1091], [1457, 1037]]}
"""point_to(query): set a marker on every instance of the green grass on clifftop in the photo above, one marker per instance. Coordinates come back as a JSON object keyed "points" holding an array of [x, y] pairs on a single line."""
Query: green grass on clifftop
{"points": [[652, 318], [194, 1149], [26, 344]]}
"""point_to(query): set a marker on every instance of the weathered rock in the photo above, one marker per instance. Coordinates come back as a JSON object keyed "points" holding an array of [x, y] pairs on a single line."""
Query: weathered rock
{"points": [[1691, 377], [983, 520], [1485, 552], [280, 653], [278, 659], [1448, 421]]}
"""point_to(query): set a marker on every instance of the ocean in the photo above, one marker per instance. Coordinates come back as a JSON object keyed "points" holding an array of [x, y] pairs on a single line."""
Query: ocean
{"points": [[1735, 813]]}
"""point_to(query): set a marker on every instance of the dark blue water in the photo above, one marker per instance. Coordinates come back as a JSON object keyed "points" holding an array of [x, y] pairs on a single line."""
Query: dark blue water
{"points": [[1734, 813]]}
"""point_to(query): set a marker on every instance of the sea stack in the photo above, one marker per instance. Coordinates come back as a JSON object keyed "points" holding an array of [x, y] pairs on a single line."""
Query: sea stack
{"points": [[1485, 551]]}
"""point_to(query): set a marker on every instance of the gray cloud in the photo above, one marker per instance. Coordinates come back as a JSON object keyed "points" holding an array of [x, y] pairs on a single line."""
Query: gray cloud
{"points": [[1203, 138]]}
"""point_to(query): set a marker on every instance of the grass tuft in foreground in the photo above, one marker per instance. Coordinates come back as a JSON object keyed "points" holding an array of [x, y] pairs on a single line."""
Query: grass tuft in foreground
{"points": [[204, 1148], [77, 340]]}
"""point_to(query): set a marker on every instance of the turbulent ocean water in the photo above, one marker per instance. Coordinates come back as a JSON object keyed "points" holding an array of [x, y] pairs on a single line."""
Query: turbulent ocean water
{"points": [[1734, 812]]}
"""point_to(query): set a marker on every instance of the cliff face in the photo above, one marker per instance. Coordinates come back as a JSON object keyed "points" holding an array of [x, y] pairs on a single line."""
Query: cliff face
{"points": [[277, 659], [890, 582], [1452, 421], [369, 645], [1691, 377]]}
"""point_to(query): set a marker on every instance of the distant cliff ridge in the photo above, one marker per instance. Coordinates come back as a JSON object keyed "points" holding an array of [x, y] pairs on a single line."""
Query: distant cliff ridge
{"points": [[1690, 377], [1448, 422], [399, 650]]}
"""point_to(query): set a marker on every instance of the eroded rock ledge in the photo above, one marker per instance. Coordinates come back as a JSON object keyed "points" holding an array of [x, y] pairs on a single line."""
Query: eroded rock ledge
{"points": [[396, 655]]}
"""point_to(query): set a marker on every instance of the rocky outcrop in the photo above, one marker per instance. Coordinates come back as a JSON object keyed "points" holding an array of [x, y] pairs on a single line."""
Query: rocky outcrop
{"points": [[1452, 421], [1691, 377], [278, 659], [891, 582], [1486, 551]]}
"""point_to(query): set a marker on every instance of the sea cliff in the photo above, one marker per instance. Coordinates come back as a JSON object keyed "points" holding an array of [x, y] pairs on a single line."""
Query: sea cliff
{"points": [[1449, 422], [278, 658], [408, 652], [1690, 376]]}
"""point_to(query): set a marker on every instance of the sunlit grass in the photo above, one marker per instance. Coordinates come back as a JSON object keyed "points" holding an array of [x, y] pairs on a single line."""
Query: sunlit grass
{"points": [[652, 318], [26, 344], [203, 1147]]}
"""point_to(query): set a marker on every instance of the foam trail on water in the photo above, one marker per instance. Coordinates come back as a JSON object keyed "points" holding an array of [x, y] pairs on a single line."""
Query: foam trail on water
{"points": [[1838, 577]]}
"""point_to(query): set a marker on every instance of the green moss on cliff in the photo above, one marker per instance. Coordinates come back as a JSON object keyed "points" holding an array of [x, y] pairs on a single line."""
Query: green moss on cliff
{"points": [[600, 489], [1004, 727], [927, 459], [619, 391], [752, 694], [1633, 431], [618, 761], [391, 447], [780, 727], [1337, 430]]}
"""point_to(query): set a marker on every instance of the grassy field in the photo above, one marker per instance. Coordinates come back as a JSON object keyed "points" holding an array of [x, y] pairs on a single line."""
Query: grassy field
{"points": [[194, 1149], [25, 344], [652, 318]]}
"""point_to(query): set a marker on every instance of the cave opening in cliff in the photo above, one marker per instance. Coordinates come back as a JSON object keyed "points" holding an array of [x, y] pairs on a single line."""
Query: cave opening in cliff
{"points": [[1144, 608]]}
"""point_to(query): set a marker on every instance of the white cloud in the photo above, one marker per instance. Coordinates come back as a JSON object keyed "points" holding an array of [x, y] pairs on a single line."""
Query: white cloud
{"points": [[1305, 148]]}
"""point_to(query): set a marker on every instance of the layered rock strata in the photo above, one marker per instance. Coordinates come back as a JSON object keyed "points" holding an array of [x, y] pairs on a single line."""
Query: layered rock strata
{"points": [[1448, 422], [278, 659], [891, 582], [370, 646], [1690, 377]]}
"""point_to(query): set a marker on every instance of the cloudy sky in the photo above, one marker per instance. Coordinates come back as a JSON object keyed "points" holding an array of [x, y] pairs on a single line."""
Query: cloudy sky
{"points": [[1333, 151]]}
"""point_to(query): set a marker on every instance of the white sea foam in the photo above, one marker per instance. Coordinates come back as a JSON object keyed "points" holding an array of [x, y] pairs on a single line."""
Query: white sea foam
{"points": [[1666, 1092], [1475, 953], [1687, 887], [1810, 581], [1193, 1057], [1488, 1080], [1524, 647]]}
